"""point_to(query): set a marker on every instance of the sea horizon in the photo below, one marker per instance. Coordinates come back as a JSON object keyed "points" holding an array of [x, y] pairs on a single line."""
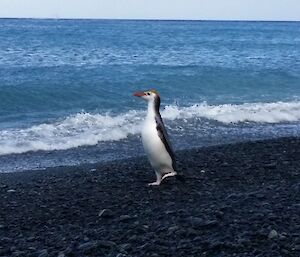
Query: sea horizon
{"points": [[145, 19]]}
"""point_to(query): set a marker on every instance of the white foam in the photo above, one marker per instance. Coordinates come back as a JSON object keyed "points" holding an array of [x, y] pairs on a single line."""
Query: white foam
{"points": [[77, 130], [90, 129], [229, 113]]}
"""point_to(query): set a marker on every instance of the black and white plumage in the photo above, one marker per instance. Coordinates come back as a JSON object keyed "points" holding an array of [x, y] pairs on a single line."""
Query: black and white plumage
{"points": [[155, 139]]}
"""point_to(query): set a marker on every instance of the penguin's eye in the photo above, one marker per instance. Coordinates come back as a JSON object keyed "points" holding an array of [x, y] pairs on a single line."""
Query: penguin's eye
{"points": [[148, 93]]}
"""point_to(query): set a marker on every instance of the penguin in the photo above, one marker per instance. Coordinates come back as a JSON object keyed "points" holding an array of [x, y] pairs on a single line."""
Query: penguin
{"points": [[155, 139]]}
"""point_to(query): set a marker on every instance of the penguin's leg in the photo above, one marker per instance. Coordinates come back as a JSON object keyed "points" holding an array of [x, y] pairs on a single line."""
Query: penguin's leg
{"points": [[158, 179], [169, 174]]}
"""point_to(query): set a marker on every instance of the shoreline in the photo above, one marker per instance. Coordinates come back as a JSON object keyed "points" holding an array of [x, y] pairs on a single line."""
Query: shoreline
{"points": [[142, 156], [239, 199]]}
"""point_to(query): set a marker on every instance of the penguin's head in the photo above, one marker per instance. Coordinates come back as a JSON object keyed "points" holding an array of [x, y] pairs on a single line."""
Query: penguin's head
{"points": [[149, 95]]}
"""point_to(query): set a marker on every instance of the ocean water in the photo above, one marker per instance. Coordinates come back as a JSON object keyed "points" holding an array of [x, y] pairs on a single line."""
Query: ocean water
{"points": [[66, 86]]}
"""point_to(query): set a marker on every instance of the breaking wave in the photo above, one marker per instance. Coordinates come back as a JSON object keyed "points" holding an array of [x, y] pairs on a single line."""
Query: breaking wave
{"points": [[230, 113], [89, 129]]}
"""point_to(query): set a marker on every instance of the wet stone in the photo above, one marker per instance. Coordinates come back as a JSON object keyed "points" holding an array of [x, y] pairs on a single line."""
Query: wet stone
{"points": [[106, 213], [200, 223], [273, 234], [106, 244], [87, 246], [125, 218], [43, 253]]}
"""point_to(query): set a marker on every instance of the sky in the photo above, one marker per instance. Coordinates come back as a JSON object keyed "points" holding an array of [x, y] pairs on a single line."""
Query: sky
{"points": [[153, 9]]}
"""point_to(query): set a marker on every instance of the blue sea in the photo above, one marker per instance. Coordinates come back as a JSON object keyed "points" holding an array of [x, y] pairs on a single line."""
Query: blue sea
{"points": [[66, 86]]}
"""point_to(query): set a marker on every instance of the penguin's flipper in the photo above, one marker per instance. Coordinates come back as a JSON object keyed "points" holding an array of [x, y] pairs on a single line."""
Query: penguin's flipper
{"points": [[162, 133]]}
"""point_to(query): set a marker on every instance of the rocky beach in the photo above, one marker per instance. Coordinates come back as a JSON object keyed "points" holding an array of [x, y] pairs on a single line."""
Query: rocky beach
{"points": [[237, 200]]}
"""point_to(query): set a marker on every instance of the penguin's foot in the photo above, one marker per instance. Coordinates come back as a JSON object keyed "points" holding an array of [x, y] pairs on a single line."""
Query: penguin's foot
{"points": [[171, 174], [156, 183]]}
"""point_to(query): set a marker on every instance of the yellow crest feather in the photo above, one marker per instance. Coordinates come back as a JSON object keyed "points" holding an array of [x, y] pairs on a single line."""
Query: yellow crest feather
{"points": [[153, 91]]}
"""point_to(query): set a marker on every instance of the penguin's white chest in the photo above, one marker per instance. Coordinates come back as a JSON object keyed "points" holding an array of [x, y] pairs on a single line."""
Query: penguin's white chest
{"points": [[154, 147]]}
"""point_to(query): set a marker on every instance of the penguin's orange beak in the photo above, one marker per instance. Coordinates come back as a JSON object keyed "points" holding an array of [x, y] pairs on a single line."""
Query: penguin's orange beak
{"points": [[139, 94]]}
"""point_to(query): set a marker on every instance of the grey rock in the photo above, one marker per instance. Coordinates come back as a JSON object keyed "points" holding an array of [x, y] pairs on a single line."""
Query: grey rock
{"points": [[172, 229], [87, 246], [144, 246], [272, 216], [282, 237], [285, 251], [31, 239], [170, 212], [68, 250], [181, 232], [43, 253], [191, 232], [195, 220], [273, 234], [133, 238], [125, 218], [13, 248], [121, 255], [216, 245], [106, 213], [197, 239], [260, 196], [125, 247], [271, 165], [6, 240], [296, 248], [219, 214], [234, 196], [200, 223], [106, 244], [19, 253], [136, 223], [296, 188], [183, 244]]}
